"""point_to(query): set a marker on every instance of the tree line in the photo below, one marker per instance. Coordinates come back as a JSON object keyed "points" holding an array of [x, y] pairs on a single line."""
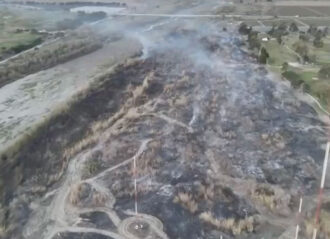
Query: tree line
{"points": [[48, 56]]}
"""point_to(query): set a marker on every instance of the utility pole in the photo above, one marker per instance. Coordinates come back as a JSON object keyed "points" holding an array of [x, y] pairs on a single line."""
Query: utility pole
{"points": [[319, 204], [299, 216], [135, 184]]}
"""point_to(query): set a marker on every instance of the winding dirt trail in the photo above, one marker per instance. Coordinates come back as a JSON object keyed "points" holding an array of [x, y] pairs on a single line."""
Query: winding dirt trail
{"points": [[65, 215]]}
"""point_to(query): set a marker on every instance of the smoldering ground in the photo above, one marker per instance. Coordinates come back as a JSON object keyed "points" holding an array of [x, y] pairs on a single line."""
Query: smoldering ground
{"points": [[221, 147]]}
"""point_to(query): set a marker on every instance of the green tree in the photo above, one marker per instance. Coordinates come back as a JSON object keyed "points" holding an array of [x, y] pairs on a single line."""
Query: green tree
{"points": [[318, 42], [304, 37], [312, 30], [283, 27], [301, 48], [294, 78], [253, 40], [293, 27], [324, 72], [319, 34], [325, 31], [263, 56], [244, 29], [285, 67], [272, 30]]}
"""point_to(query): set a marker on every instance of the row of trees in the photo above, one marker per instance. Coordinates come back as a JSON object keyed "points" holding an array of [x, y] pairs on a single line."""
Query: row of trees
{"points": [[312, 33], [283, 29], [47, 56], [254, 42]]}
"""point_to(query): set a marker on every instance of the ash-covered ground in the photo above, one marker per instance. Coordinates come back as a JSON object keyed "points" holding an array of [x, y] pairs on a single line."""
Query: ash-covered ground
{"points": [[221, 149]]}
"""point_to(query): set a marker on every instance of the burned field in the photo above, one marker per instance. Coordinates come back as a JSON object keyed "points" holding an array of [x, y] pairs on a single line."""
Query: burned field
{"points": [[220, 150]]}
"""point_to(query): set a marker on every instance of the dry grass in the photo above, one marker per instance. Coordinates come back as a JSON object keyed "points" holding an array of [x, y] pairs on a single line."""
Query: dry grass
{"points": [[273, 198], [3, 229], [99, 199], [266, 196], [187, 201], [275, 139], [101, 125], [93, 165], [64, 108], [149, 160], [324, 222], [127, 111], [230, 224], [75, 193], [80, 145], [78, 193], [205, 192]]}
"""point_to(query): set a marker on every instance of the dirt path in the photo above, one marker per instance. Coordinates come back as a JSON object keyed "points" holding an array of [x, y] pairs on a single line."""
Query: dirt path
{"points": [[64, 216]]}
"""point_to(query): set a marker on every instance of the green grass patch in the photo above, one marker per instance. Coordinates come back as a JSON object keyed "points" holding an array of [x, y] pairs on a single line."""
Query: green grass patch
{"points": [[278, 54], [306, 79], [17, 42], [295, 79], [308, 76], [322, 55], [301, 76], [12, 40], [321, 89]]}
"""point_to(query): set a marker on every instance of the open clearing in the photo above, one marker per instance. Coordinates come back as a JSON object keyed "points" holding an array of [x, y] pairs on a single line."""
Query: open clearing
{"points": [[52, 89]]}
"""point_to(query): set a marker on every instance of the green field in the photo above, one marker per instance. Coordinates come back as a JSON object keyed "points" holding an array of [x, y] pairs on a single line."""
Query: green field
{"points": [[16, 42], [16, 24], [12, 39], [306, 73], [278, 54]]}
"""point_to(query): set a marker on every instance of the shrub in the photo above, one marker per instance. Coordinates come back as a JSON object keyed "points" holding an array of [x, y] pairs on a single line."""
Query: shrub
{"points": [[253, 40], [293, 27], [324, 72], [294, 78], [22, 47], [230, 224], [263, 56], [187, 201], [304, 37], [285, 67], [93, 165], [244, 29], [318, 42]]}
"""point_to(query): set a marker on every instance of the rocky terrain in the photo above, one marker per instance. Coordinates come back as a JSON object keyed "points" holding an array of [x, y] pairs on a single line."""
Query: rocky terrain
{"points": [[192, 139]]}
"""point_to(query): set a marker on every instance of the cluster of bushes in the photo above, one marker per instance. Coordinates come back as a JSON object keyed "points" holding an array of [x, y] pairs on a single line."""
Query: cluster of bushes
{"points": [[294, 78], [22, 47], [324, 72], [318, 34], [254, 42], [283, 29], [47, 56]]}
